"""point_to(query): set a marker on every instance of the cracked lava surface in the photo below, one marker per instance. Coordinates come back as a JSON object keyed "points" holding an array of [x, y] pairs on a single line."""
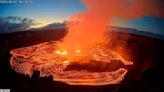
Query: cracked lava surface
{"points": [[89, 68]]}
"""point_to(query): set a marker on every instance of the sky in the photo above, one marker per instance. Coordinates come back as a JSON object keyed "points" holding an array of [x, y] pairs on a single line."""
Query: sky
{"points": [[49, 11], [43, 10]]}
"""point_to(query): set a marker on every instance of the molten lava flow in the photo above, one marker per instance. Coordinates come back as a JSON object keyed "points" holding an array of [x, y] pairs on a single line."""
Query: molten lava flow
{"points": [[50, 61], [82, 45]]}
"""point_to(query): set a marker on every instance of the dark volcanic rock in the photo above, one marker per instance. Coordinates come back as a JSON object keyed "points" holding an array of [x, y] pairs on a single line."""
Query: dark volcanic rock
{"points": [[145, 76]]}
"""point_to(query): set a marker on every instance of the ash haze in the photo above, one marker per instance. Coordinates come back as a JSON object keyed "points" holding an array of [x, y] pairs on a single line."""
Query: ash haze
{"points": [[50, 11]]}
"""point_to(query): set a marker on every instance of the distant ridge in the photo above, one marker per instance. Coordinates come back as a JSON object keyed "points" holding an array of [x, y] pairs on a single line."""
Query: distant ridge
{"points": [[58, 26], [137, 32]]}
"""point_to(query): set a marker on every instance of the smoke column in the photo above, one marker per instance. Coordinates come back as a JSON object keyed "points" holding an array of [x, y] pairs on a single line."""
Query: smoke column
{"points": [[88, 27]]}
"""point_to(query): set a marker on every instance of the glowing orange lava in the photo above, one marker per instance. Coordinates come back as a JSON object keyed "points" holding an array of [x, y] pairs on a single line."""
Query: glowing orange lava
{"points": [[81, 46], [50, 61]]}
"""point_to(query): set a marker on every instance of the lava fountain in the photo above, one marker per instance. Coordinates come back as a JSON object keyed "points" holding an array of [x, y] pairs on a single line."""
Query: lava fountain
{"points": [[82, 58]]}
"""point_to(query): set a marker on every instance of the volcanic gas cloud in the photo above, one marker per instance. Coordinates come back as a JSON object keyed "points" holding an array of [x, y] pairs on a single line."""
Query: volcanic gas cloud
{"points": [[75, 59]]}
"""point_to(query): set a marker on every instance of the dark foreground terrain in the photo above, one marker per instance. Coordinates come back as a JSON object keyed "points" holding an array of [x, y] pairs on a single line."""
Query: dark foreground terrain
{"points": [[146, 75]]}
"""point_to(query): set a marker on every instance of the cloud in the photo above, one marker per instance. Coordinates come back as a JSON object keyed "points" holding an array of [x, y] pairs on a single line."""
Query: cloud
{"points": [[51, 26], [14, 24]]}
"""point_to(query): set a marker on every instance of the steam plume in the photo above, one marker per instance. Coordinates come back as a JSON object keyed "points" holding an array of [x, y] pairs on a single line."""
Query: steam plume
{"points": [[89, 26]]}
